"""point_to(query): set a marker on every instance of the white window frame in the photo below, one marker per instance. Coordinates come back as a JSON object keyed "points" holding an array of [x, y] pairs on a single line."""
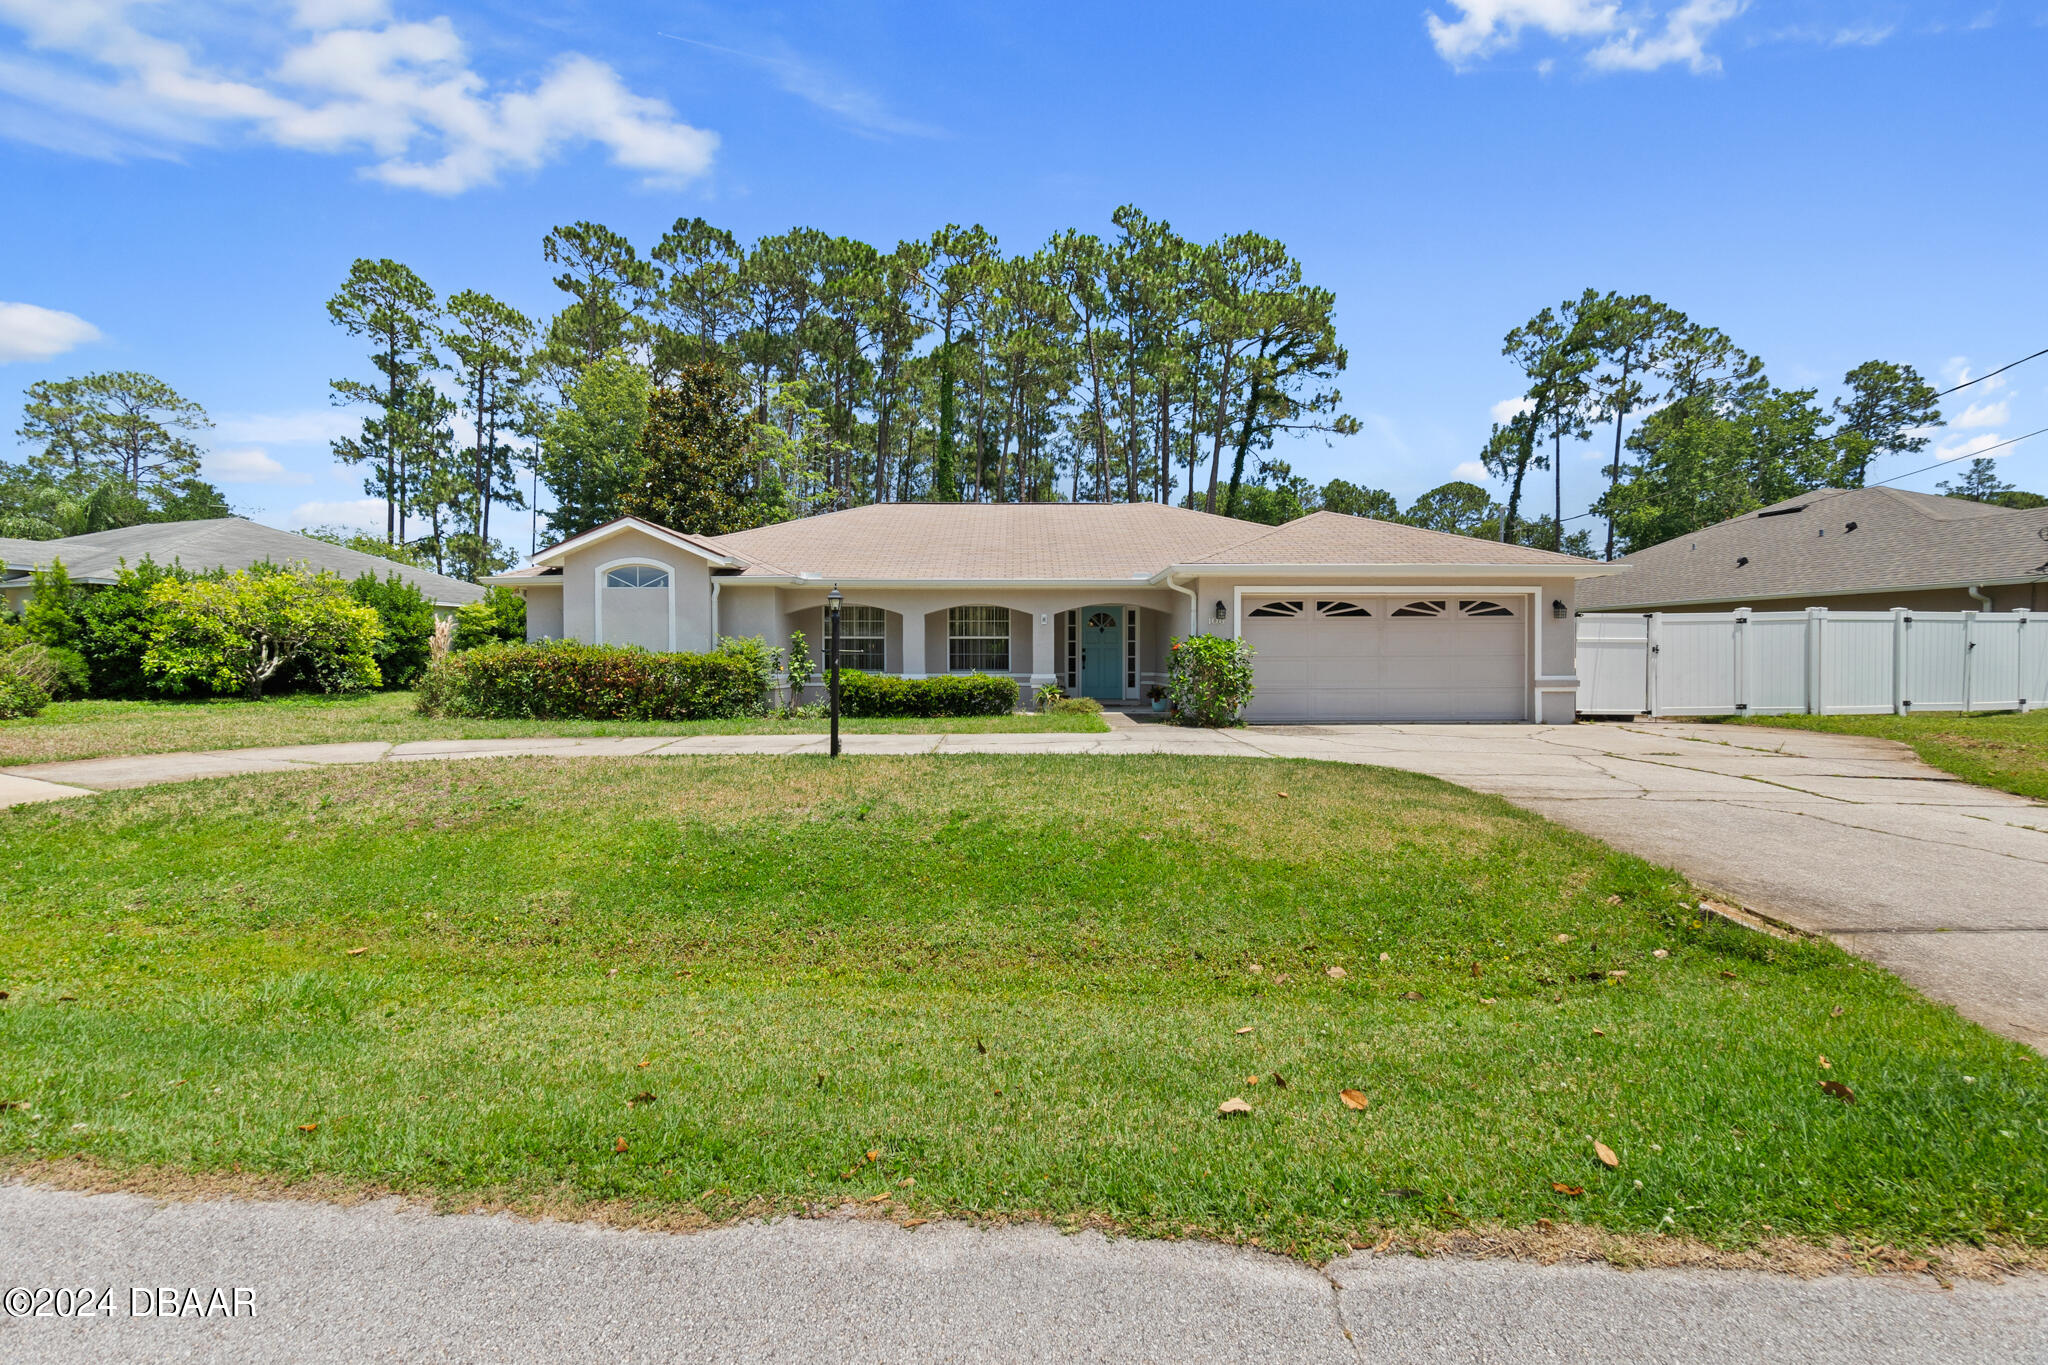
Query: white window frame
{"points": [[880, 635], [1007, 637], [598, 591]]}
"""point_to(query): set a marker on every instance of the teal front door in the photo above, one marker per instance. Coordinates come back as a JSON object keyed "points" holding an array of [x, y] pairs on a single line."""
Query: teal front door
{"points": [[1102, 653]]}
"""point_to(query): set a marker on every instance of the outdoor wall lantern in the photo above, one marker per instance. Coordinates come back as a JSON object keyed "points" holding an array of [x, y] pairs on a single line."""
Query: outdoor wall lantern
{"points": [[1557, 607], [1221, 611], [832, 604]]}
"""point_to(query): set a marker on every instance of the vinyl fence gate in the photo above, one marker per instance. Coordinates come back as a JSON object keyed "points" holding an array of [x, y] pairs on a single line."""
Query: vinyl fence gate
{"points": [[1813, 662]]}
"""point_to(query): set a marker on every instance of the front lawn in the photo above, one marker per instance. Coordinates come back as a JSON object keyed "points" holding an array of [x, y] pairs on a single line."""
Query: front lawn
{"points": [[97, 729], [692, 989], [2003, 749]]}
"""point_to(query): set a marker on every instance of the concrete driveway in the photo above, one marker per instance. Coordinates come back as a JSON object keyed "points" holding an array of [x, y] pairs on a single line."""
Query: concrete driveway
{"points": [[1942, 882]]}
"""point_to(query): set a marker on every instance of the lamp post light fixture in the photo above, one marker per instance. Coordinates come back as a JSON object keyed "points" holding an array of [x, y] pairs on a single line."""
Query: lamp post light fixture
{"points": [[832, 604]]}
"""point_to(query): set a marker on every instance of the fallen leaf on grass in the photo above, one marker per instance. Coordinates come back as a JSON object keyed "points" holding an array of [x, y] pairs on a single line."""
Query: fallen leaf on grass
{"points": [[1411, 995], [1475, 969], [1573, 1190], [619, 1146], [1353, 1099], [881, 1198], [1386, 957], [308, 1127], [1661, 952], [874, 1154], [1251, 1080], [1839, 1091], [1279, 1081], [1617, 975], [1335, 973], [1234, 1105], [1835, 1013], [1246, 1029], [644, 1097], [1599, 1033], [1488, 1000], [910, 1223], [1564, 938], [1729, 975], [846, 1175], [1544, 1225], [906, 1182], [978, 1047], [1614, 900], [357, 952], [1283, 796], [645, 1062], [1825, 1064], [1605, 1153]]}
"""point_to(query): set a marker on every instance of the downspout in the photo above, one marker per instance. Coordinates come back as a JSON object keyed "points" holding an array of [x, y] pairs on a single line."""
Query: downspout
{"points": [[1194, 605], [716, 584], [1977, 592]]}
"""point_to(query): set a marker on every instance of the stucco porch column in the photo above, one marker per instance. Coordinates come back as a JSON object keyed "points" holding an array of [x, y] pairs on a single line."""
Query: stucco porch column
{"points": [[1043, 659], [913, 643]]}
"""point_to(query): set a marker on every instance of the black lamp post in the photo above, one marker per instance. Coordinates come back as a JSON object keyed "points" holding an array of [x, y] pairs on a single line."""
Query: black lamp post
{"points": [[832, 601]]}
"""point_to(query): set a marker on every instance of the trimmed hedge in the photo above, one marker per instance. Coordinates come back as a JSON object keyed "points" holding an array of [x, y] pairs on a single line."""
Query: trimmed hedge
{"points": [[563, 680], [963, 694]]}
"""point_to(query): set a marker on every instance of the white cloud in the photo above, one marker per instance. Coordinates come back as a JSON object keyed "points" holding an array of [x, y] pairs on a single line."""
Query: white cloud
{"points": [[354, 82], [823, 87], [1985, 414], [1957, 449], [1472, 471], [250, 465], [312, 426], [1639, 39], [360, 514], [31, 333], [1508, 409]]}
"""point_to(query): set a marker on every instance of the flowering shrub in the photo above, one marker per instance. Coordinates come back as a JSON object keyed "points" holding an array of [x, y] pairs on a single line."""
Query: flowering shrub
{"points": [[563, 680], [1208, 679]]}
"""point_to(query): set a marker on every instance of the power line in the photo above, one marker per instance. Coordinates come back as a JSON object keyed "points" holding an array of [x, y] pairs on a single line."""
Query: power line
{"points": [[2000, 370]]}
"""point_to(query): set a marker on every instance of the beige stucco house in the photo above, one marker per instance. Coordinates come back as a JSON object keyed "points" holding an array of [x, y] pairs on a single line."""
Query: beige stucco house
{"points": [[1351, 619]]}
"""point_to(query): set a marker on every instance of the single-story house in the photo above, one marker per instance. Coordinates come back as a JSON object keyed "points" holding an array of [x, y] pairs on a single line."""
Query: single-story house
{"points": [[1863, 549], [217, 543], [1352, 619]]}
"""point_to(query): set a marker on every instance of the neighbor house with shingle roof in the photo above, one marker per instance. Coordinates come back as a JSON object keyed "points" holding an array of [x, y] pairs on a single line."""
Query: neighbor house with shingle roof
{"points": [[229, 543], [1862, 549], [1351, 619]]}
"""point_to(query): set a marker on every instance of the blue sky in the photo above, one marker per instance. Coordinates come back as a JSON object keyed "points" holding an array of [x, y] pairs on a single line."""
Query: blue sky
{"points": [[1827, 182]]}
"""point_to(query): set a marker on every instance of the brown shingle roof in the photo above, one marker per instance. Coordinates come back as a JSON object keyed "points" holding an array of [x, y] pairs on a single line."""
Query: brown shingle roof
{"points": [[986, 541], [1902, 541], [1333, 538]]}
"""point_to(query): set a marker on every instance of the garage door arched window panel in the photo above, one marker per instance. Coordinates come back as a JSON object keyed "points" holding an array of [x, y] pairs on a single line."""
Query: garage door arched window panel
{"points": [[637, 576], [1276, 609], [862, 632], [978, 639], [1431, 608], [1482, 607], [1328, 608]]}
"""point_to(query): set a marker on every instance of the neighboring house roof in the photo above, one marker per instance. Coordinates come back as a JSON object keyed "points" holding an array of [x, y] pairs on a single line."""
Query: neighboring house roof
{"points": [[923, 542], [219, 543], [1334, 538], [1803, 547]]}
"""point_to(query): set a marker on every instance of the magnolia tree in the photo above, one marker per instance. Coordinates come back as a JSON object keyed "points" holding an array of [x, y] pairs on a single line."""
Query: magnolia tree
{"points": [[1209, 679], [233, 635]]}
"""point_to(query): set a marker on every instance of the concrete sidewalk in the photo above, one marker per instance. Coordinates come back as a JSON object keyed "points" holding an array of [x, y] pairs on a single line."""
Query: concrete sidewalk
{"points": [[389, 1282], [1938, 880]]}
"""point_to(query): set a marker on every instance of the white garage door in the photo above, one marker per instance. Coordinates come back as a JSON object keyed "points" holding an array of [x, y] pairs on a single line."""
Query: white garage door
{"points": [[1372, 658]]}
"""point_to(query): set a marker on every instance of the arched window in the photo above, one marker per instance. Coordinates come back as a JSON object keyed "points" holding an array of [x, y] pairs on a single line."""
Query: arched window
{"points": [[1483, 608], [637, 576], [978, 639], [1276, 609], [862, 633], [1420, 609], [1340, 609]]}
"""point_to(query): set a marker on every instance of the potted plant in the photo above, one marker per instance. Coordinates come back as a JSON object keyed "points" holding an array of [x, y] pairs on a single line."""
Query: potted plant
{"points": [[1156, 694]]}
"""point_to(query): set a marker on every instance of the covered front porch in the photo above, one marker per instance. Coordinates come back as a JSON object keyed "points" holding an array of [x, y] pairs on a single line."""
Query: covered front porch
{"points": [[1107, 645]]}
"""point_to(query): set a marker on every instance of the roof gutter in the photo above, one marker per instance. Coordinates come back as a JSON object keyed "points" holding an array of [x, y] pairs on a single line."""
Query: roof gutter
{"points": [[1977, 591], [1511, 572]]}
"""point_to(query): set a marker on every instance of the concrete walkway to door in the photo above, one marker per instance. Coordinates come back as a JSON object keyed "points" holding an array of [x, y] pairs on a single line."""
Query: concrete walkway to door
{"points": [[1940, 881]]}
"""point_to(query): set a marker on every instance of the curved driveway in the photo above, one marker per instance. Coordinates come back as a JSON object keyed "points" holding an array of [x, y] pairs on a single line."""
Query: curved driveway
{"points": [[1940, 881]]}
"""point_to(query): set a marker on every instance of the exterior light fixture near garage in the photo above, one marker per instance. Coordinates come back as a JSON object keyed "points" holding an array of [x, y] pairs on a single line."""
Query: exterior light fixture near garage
{"points": [[1557, 608], [1221, 610]]}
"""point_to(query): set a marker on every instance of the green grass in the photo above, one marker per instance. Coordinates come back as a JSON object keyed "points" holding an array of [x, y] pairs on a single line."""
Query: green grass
{"points": [[97, 729], [2003, 749], [1021, 981]]}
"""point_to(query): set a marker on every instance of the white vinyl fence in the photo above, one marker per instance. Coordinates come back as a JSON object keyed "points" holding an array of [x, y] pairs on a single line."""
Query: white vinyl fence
{"points": [[1817, 662]]}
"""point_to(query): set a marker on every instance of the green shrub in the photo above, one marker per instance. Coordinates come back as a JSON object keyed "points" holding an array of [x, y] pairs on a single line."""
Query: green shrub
{"points": [[232, 634], [58, 673], [114, 624], [1072, 706], [407, 619], [20, 696], [51, 616], [500, 619], [960, 694], [1209, 679], [564, 680]]}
